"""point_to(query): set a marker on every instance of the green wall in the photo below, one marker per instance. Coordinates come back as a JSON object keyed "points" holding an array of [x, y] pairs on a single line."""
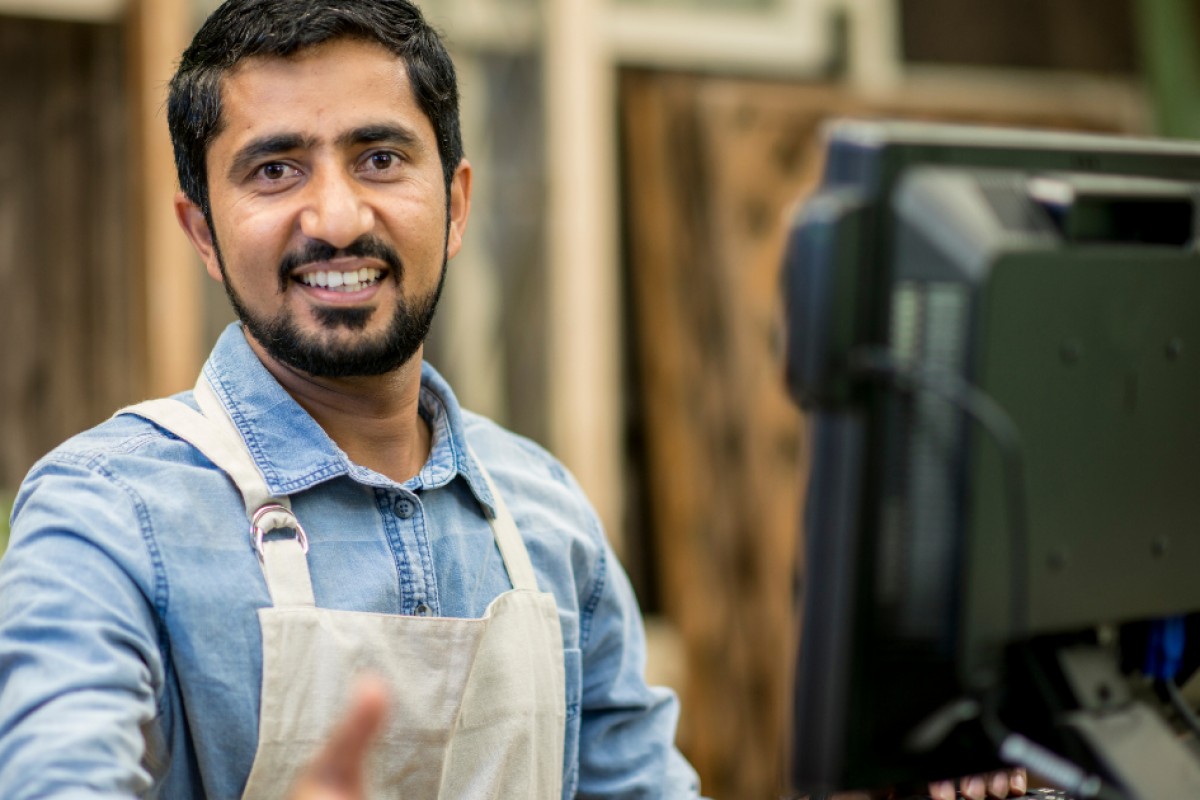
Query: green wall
{"points": [[6, 503], [1168, 30]]}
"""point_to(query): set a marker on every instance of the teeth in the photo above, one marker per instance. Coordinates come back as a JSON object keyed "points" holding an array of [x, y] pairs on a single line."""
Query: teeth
{"points": [[343, 281]]}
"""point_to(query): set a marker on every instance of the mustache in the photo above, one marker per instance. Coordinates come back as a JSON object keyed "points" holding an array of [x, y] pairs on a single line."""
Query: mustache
{"points": [[315, 252]]}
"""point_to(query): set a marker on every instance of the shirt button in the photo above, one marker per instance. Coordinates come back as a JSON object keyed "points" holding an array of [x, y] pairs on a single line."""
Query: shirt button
{"points": [[423, 610], [405, 508]]}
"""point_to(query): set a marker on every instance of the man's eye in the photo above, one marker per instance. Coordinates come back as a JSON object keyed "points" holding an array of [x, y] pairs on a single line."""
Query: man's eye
{"points": [[274, 172], [382, 161]]}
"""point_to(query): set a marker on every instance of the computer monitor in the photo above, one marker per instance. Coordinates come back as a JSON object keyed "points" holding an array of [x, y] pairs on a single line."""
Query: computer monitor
{"points": [[997, 334]]}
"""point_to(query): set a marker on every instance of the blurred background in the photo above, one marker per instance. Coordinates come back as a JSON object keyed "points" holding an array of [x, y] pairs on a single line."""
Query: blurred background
{"points": [[635, 164]]}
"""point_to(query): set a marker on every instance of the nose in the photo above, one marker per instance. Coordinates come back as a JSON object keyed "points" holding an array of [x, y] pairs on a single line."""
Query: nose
{"points": [[334, 212]]}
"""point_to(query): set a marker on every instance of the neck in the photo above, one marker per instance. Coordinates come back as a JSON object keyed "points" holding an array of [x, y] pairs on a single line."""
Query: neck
{"points": [[373, 419]]}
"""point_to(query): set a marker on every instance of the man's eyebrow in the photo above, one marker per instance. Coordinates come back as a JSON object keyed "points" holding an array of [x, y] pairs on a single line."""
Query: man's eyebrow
{"points": [[377, 134], [267, 146]]}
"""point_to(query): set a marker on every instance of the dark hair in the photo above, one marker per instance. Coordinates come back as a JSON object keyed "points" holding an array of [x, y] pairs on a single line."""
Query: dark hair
{"points": [[240, 29]]}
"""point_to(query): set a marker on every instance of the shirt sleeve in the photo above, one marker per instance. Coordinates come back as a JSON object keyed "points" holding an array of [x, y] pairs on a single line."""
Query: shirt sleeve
{"points": [[627, 731], [79, 644]]}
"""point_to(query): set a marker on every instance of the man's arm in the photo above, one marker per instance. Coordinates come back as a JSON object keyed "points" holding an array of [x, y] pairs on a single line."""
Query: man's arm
{"points": [[79, 653], [627, 736]]}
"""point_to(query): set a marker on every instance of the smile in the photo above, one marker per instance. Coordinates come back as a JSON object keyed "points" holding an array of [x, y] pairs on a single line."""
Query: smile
{"points": [[342, 281]]}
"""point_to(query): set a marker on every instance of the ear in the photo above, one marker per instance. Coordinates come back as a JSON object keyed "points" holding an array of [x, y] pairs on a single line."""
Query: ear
{"points": [[460, 207], [195, 226]]}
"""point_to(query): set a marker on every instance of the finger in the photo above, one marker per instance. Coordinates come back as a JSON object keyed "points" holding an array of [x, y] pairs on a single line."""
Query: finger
{"points": [[943, 790], [1018, 781], [973, 787], [305, 791], [340, 763], [998, 784]]}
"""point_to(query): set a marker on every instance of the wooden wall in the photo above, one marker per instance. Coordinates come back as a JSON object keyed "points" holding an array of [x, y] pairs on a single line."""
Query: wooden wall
{"points": [[508, 322], [711, 168], [1097, 35], [68, 295], [706, 181]]}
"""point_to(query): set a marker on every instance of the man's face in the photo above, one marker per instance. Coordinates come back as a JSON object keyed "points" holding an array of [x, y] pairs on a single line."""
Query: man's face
{"points": [[329, 209]]}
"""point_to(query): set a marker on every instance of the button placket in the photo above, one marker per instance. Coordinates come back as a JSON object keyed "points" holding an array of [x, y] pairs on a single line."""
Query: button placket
{"points": [[407, 507]]}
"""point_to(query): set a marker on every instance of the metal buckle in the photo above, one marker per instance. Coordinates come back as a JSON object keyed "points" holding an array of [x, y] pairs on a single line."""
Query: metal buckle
{"points": [[256, 533]]}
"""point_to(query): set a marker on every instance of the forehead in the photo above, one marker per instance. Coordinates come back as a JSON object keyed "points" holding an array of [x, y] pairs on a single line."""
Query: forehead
{"points": [[318, 92]]}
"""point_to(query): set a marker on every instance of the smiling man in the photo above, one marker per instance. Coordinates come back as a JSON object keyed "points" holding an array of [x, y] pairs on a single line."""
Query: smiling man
{"points": [[315, 576]]}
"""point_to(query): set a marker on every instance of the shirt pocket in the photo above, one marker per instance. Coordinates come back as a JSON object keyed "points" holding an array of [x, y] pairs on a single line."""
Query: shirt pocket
{"points": [[573, 670]]}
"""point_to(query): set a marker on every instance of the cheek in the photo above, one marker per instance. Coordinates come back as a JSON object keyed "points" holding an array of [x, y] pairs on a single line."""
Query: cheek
{"points": [[255, 244], [424, 227]]}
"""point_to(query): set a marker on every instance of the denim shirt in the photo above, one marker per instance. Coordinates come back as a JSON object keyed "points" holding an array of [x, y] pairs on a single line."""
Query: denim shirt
{"points": [[129, 593]]}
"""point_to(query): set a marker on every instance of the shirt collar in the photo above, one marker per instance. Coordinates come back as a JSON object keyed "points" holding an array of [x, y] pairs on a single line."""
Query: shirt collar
{"points": [[294, 453]]}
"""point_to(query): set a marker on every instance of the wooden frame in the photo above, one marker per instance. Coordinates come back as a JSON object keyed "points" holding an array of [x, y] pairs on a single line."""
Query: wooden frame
{"points": [[172, 321]]}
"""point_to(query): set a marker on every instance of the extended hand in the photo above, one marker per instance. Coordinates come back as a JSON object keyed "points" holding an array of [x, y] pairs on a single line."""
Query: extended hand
{"points": [[1004, 783], [337, 773]]}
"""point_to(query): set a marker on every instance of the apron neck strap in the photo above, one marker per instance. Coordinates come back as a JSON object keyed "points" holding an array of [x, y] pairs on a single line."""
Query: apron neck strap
{"points": [[508, 538], [218, 439], [214, 434], [285, 560]]}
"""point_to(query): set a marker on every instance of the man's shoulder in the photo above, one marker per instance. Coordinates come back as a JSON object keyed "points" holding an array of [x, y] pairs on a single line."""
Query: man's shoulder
{"points": [[526, 472], [499, 448], [110, 481], [121, 443]]}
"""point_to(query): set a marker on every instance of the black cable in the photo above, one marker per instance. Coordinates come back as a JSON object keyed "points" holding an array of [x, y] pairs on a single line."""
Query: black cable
{"points": [[1013, 748], [991, 416]]}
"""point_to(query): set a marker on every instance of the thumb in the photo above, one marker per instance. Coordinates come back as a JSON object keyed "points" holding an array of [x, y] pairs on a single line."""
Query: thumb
{"points": [[338, 770]]}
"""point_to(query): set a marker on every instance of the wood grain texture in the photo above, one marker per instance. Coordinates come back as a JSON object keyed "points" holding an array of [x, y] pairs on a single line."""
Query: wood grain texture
{"points": [[65, 282], [1096, 35], [712, 169], [172, 308], [707, 182]]}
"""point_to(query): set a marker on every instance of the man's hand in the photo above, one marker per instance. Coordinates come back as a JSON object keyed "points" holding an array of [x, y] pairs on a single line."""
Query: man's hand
{"points": [[1005, 783], [337, 773]]}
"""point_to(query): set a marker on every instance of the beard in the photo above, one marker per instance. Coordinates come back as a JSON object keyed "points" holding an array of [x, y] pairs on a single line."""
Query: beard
{"points": [[365, 356]]}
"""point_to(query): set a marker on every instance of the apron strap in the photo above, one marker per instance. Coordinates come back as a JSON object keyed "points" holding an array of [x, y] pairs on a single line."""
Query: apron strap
{"points": [[508, 538], [210, 406], [209, 438], [285, 564], [284, 561]]}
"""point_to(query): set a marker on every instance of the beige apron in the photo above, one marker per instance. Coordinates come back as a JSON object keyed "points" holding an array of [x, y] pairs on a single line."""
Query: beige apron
{"points": [[477, 706]]}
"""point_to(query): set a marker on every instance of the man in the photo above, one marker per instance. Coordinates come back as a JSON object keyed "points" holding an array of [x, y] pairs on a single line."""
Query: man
{"points": [[425, 605]]}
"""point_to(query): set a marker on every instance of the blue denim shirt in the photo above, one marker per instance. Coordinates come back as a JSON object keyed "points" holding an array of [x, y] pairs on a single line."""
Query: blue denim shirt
{"points": [[129, 593]]}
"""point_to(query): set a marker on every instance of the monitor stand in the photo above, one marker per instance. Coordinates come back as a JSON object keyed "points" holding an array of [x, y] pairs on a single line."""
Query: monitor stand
{"points": [[1129, 739]]}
